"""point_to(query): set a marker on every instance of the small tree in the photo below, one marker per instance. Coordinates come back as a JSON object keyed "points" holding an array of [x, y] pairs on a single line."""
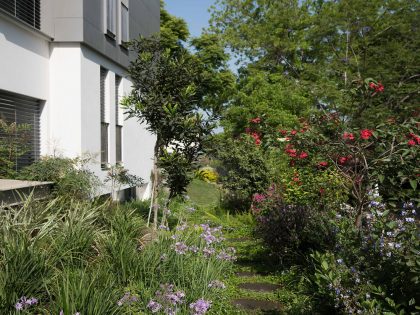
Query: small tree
{"points": [[178, 95]]}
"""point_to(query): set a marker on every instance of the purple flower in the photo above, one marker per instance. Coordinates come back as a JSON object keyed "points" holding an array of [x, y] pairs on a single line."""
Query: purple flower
{"points": [[208, 251], [154, 306], [200, 307], [208, 237], [180, 248], [409, 219], [19, 306], [31, 301], [182, 227], [339, 261], [163, 227], [61, 312], [193, 249], [216, 284], [127, 298]]}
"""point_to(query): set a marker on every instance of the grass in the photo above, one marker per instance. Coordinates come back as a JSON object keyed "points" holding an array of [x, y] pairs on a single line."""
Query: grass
{"points": [[203, 194]]}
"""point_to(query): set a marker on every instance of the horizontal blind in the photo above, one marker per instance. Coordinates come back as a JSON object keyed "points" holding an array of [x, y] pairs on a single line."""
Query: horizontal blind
{"points": [[28, 11], [15, 108], [104, 73]]}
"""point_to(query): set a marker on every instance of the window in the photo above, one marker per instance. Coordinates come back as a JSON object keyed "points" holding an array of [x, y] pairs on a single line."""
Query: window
{"points": [[111, 15], [104, 123], [28, 11], [22, 110], [124, 24], [118, 120]]}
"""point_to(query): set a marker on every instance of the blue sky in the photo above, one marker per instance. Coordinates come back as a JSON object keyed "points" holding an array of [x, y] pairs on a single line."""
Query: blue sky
{"points": [[194, 12]]}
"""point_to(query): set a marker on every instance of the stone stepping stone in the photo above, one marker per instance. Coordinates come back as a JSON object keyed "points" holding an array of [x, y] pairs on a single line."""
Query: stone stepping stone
{"points": [[260, 287], [254, 305], [246, 274]]}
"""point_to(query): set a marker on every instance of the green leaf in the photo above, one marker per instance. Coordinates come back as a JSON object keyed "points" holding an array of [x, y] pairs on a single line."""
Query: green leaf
{"points": [[413, 183], [381, 178]]}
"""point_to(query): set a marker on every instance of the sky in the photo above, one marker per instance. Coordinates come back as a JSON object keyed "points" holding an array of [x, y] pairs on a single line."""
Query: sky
{"points": [[194, 12]]}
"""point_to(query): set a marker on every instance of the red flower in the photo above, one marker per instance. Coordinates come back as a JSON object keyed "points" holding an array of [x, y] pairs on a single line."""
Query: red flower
{"points": [[379, 88], [293, 132], [256, 120], [372, 85], [323, 164], [321, 191], [248, 130], [348, 136], [414, 138], [365, 134], [283, 132], [411, 143], [303, 155], [342, 160]]}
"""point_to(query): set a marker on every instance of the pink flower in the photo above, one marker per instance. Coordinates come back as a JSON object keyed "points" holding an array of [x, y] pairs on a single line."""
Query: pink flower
{"points": [[348, 136], [411, 143], [256, 120], [293, 132], [342, 160], [303, 155], [365, 134], [323, 164]]}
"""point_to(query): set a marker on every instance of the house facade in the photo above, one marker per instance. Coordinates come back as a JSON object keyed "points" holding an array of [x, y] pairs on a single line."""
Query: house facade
{"points": [[63, 70]]}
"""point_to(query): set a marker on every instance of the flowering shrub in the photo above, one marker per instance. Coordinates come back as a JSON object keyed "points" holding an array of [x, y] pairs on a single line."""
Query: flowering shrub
{"points": [[290, 229], [363, 158], [376, 269], [208, 174]]}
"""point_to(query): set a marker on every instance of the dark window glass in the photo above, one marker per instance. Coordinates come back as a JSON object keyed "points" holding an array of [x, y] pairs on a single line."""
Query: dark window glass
{"points": [[118, 132], [111, 17], [104, 124], [124, 24]]}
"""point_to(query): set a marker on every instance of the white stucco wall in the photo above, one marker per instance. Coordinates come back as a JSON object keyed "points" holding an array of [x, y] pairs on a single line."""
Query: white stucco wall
{"points": [[62, 115], [137, 142], [65, 76], [24, 61]]}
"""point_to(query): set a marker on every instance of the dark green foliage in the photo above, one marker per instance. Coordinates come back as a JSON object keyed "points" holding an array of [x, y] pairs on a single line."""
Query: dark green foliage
{"points": [[171, 87], [71, 177], [13, 144], [330, 48], [243, 171]]}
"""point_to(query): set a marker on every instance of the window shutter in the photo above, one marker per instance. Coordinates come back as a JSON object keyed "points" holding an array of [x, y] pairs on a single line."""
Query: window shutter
{"points": [[15, 108], [28, 11]]}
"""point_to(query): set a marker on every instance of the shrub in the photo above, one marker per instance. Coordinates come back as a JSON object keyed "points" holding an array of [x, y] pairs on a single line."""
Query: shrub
{"points": [[374, 270], [243, 171], [290, 229], [207, 174], [72, 178], [13, 145]]}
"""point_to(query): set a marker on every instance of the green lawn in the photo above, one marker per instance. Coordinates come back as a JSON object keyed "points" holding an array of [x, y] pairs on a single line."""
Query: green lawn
{"points": [[203, 193]]}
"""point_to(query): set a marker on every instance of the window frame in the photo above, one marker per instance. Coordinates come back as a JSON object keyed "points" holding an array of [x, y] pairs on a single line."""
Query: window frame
{"points": [[104, 118], [111, 18], [124, 24]]}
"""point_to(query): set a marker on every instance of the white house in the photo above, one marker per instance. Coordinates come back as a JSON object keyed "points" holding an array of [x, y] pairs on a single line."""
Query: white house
{"points": [[63, 69]]}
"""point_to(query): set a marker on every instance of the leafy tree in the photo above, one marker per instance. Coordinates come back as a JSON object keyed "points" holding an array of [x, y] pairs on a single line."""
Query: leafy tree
{"points": [[178, 94], [331, 47]]}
